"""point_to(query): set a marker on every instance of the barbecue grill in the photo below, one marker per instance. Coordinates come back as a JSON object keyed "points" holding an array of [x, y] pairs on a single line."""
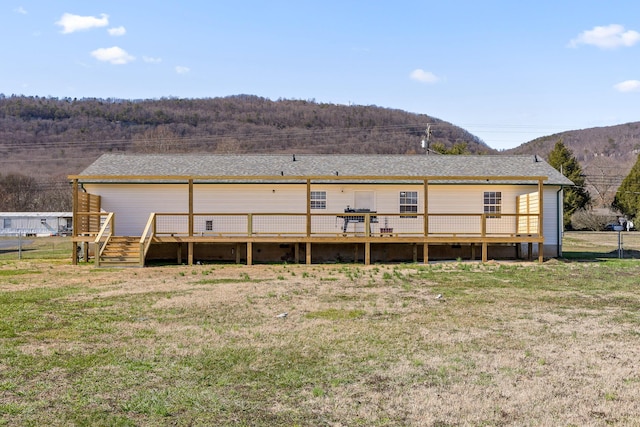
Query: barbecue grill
{"points": [[355, 219]]}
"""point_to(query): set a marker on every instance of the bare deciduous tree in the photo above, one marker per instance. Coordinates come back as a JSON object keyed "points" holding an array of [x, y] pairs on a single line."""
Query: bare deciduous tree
{"points": [[19, 193], [160, 139]]}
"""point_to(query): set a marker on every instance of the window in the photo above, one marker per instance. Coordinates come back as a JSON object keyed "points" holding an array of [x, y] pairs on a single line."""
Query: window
{"points": [[318, 200], [6, 222], [492, 203], [43, 221], [208, 225], [408, 203]]}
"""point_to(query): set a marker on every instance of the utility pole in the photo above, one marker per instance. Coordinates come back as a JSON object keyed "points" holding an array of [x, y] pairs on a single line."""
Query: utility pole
{"points": [[426, 139]]}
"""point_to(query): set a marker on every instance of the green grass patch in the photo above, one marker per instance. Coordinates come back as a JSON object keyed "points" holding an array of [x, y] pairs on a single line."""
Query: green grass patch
{"points": [[7, 273], [370, 346], [336, 314], [227, 280]]}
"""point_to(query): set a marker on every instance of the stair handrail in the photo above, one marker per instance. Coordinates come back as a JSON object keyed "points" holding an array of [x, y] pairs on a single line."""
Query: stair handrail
{"points": [[108, 229], [147, 237]]}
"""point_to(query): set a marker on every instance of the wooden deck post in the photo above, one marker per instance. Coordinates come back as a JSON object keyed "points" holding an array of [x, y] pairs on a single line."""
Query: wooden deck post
{"points": [[426, 208], [75, 255], [540, 221], [190, 207], [75, 222], [190, 245], [367, 253], [296, 251], [249, 253], [425, 221], [308, 245], [237, 253], [483, 233], [367, 244], [308, 208]]}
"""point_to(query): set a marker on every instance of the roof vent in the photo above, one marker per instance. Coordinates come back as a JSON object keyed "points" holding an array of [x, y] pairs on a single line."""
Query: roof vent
{"points": [[294, 157], [281, 173], [336, 173], [535, 158]]}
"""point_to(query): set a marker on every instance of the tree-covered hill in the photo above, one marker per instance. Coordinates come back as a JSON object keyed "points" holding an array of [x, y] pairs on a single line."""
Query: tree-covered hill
{"points": [[45, 139], [50, 136], [606, 155]]}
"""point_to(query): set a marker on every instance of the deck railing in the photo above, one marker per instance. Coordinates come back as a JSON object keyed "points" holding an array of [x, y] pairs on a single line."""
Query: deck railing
{"points": [[90, 223], [147, 238], [106, 231], [339, 225]]}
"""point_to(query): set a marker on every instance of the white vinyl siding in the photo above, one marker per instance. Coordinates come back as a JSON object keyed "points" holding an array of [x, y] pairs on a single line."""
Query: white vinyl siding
{"points": [[133, 204]]}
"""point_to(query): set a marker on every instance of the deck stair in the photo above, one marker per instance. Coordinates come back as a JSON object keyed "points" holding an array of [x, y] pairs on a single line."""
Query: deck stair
{"points": [[121, 251]]}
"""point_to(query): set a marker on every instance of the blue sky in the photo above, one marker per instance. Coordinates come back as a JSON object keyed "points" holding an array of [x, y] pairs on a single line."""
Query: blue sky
{"points": [[507, 71]]}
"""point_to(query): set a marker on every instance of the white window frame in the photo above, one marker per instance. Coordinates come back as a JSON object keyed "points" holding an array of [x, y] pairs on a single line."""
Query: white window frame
{"points": [[318, 200], [492, 202], [408, 204]]}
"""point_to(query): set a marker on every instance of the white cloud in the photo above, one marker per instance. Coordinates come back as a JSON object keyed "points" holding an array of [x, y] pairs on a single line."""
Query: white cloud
{"points": [[71, 23], [114, 55], [182, 70], [628, 86], [21, 10], [608, 37], [151, 60], [423, 76], [117, 31]]}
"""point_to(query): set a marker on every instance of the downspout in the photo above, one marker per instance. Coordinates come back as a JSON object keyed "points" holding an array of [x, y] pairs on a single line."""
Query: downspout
{"points": [[560, 210]]}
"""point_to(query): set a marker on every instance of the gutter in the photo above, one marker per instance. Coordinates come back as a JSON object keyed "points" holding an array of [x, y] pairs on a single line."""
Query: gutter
{"points": [[560, 220]]}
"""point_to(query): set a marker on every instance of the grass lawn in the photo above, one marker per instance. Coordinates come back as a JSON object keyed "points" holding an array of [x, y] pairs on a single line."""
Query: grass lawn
{"points": [[505, 344]]}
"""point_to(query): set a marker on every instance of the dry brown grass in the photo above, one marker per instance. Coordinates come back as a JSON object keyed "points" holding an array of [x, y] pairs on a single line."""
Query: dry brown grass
{"points": [[508, 344]]}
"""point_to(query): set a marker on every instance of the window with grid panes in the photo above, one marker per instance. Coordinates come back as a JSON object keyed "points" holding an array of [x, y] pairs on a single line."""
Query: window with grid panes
{"points": [[408, 203], [318, 200], [493, 203]]}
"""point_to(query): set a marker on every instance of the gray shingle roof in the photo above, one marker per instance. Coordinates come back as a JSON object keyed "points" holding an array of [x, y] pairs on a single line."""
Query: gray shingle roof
{"points": [[321, 165]]}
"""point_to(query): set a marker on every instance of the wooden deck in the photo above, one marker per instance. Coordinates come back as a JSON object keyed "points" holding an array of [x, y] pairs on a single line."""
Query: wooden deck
{"points": [[525, 226], [479, 231]]}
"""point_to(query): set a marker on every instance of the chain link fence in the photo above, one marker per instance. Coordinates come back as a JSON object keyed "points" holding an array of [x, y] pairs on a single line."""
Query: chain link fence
{"points": [[15, 247], [601, 244], [576, 245]]}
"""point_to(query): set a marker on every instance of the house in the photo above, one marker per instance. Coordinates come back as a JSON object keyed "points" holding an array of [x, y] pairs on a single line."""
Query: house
{"points": [[321, 208], [35, 223]]}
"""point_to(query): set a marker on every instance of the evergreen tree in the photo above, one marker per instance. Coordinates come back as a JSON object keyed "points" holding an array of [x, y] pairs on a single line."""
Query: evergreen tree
{"points": [[457, 148], [575, 197], [627, 198]]}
